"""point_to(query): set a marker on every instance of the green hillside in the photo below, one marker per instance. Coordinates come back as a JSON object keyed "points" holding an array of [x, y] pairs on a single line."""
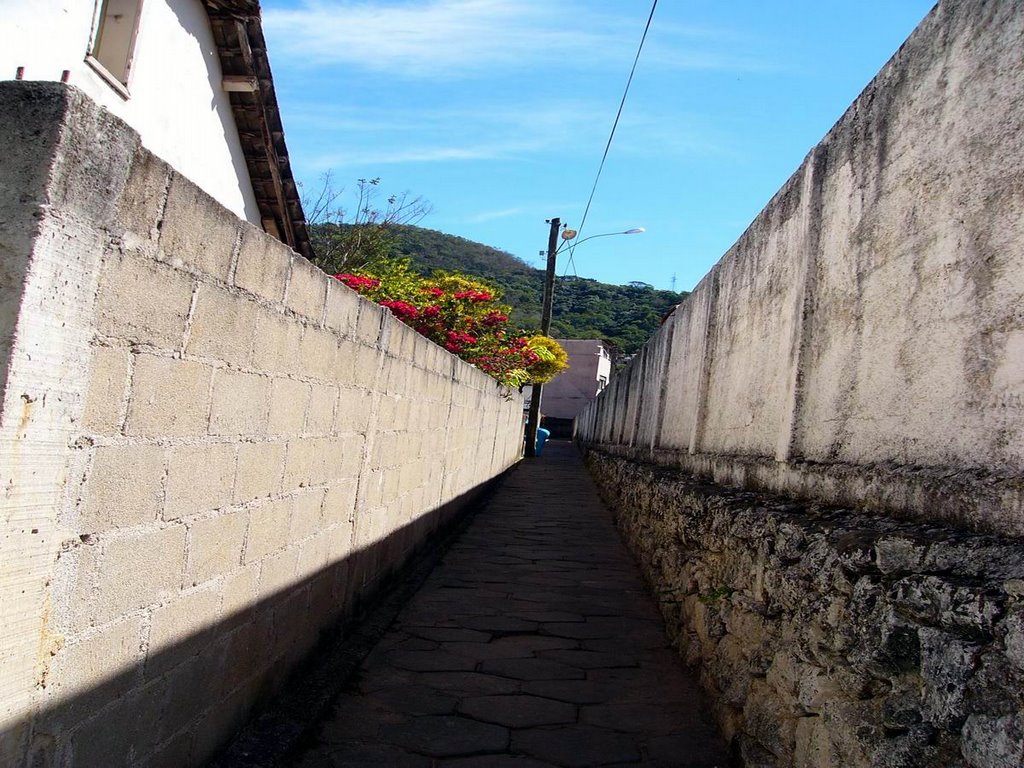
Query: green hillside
{"points": [[626, 315]]}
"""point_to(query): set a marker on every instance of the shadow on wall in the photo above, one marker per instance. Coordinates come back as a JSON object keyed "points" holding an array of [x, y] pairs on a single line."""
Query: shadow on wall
{"points": [[185, 702]]}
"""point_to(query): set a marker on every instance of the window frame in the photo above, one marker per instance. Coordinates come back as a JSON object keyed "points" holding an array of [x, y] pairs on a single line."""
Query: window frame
{"points": [[121, 87]]}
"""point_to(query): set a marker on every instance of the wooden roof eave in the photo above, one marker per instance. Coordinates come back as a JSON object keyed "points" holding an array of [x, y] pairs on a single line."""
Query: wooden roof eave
{"points": [[241, 47]]}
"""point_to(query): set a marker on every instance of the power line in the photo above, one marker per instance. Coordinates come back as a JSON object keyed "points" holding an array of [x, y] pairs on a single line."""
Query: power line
{"points": [[611, 135]]}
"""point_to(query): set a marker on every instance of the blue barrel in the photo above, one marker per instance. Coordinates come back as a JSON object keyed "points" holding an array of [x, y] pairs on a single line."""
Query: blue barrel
{"points": [[542, 437]]}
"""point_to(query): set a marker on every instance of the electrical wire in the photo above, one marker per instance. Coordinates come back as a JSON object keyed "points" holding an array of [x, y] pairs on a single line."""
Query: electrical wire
{"points": [[611, 136]]}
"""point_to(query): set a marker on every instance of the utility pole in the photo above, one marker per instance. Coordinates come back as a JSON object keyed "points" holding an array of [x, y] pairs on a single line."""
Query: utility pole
{"points": [[533, 422]]}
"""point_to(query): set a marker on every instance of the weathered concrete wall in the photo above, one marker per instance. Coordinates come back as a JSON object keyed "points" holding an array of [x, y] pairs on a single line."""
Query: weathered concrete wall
{"points": [[209, 449], [829, 637], [177, 103], [863, 341]]}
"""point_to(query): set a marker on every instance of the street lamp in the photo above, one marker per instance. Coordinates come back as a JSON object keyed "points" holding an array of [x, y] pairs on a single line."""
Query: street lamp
{"points": [[545, 318], [569, 234]]}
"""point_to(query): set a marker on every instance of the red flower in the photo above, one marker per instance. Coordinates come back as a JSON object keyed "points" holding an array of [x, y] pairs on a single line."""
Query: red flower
{"points": [[358, 282], [401, 309], [495, 318], [433, 290], [432, 311], [473, 295]]}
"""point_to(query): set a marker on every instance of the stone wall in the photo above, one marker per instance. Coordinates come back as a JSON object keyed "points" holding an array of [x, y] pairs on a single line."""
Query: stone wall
{"points": [[863, 341], [828, 637], [210, 449]]}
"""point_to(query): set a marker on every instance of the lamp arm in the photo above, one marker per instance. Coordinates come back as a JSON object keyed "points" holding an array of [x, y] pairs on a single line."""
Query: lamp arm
{"points": [[573, 244]]}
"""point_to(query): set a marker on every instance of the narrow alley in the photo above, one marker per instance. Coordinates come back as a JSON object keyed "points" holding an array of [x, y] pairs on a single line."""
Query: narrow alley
{"points": [[532, 644]]}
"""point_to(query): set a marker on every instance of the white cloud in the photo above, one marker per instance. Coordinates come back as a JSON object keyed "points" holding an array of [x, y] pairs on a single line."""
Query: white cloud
{"points": [[504, 213], [466, 38], [376, 137]]}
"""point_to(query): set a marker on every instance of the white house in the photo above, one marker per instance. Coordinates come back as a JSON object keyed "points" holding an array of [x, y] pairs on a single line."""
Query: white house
{"points": [[191, 76], [590, 368]]}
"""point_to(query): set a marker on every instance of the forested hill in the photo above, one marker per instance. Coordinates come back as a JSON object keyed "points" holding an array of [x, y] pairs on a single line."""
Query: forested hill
{"points": [[626, 315]]}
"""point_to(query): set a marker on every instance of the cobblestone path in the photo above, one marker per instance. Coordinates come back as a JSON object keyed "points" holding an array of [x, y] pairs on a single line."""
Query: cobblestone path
{"points": [[532, 644]]}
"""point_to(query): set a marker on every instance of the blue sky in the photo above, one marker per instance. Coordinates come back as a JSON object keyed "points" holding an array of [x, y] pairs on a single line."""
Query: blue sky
{"points": [[497, 112]]}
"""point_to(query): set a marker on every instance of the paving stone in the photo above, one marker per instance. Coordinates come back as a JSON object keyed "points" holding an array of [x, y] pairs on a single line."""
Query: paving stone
{"points": [[352, 719], [531, 669], [469, 683], [431, 661], [575, 691], [356, 755], [590, 659], [495, 761], [654, 717], [453, 634], [519, 710], [413, 700], [542, 616], [446, 736], [499, 624], [694, 749], [581, 747], [533, 645]]}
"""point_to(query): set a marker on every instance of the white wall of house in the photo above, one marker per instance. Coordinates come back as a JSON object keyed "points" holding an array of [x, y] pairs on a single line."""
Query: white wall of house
{"points": [[174, 96], [590, 369]]}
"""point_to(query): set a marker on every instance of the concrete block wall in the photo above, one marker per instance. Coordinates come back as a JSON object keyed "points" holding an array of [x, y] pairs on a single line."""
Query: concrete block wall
{"points": [[210, 449], [862, 343]]}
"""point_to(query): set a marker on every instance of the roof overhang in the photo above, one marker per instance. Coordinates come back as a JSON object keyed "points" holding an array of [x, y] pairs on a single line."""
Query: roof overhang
{"points": [[242, 49]]}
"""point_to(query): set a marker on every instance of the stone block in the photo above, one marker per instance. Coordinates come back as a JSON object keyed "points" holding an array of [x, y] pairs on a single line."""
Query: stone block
{"points": [[259, 470], [223, 718], [339, 542], [312, 556], [366, 368], [170, 397], [993, 742], [320, 416], [340, 502], [107, 398], [331, 457], [142, 201], [215, 546], [354, 409], [344, 363], [240, 589], [277, 572], [125, 728], [197, 232], [276, 348], [289, 400], [240, 404], [181, 629], [222, 328], [317, 351], [307, 289], [190, 688], [298, 466], [342, 310], [128, 573], [268, 528], [307, 515], [124, 488], [199, 478], [174, 752], [262, 265], [89, 672], [89, 170], [369, 322], [142, 302]]}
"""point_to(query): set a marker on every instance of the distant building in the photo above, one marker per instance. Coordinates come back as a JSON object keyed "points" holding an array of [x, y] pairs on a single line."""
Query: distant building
{"points": [[590, 368], [191, 76]]}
